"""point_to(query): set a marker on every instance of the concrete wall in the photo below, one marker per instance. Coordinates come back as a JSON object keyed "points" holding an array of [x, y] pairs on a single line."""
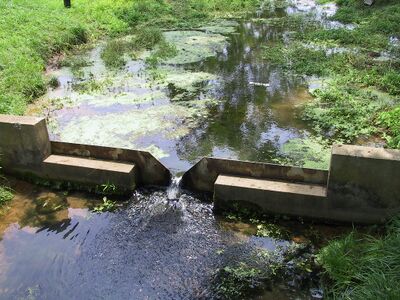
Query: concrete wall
{"points": [[24, 143], [150, 170], [364, 178], [363, 184], [201, 177]]}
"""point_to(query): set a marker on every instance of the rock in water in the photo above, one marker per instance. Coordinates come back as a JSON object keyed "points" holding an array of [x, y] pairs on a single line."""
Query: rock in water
{"points": [[369, 2]]}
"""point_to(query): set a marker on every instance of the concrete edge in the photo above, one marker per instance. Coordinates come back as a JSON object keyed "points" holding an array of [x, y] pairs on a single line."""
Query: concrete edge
{"points": [[203, 174], [150, 170]]}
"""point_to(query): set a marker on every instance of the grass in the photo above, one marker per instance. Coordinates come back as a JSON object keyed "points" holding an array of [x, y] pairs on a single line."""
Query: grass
{"points": [[346, 106], [32, 31], [362, 266]]}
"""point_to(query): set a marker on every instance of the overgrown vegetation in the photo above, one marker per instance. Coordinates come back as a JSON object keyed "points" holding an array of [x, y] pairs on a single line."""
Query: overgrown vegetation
{"points": [[362, 266], [359, 61], [32, 31]]}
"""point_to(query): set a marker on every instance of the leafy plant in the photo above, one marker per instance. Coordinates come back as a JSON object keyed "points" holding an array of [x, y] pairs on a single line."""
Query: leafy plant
{"points": [[391, 120], [107, 205], [108, 188]]}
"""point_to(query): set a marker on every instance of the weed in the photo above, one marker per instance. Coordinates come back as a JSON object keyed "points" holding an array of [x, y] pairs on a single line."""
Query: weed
{"points": [[75, 62], [53, 82], [113, 53], [343, 111], [147, 37], [107, 205], [108, 188]]}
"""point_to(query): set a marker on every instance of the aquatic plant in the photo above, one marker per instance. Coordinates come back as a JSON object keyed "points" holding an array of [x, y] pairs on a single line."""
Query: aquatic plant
{"points": [[49, 204], [307, 152], [147, 37], [238, 281], [75, 62], [113, 53], [107, 205], [343, 111], [6, 195], [53, 82]]}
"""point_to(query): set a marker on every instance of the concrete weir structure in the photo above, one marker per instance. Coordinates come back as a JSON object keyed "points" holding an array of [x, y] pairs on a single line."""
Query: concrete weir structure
{"points": [[362, 186], [26, 150]]}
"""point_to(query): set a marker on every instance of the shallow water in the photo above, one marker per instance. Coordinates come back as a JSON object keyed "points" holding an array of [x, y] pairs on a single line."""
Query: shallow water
{"points": [[152, 247]]}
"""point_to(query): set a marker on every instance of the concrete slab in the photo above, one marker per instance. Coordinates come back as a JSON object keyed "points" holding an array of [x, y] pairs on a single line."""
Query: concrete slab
{"points": [[272, 185], [24, 143], [269, 196], [201, 177], [149, 170], [93, 171]]}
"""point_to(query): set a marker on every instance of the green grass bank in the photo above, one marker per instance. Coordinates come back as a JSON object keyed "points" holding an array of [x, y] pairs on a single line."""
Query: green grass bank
{"points": [[361, 266], [33, 31]]}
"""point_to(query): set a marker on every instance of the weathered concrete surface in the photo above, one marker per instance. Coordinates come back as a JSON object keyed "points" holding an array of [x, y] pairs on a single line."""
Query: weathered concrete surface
{"points": [[203, 175], [269, 196], [364, 178], [149, 170], [24, 142], [92, 171]]}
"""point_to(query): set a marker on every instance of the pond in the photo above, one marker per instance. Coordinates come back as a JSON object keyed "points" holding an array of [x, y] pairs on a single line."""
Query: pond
{"points": [[217, 97]]}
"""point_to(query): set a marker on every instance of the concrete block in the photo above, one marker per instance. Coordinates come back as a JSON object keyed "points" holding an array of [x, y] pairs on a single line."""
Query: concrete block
{"points": [[149, 170], [92, 171], [364, 178], [202, 176], [270, 196], [24, 142]]}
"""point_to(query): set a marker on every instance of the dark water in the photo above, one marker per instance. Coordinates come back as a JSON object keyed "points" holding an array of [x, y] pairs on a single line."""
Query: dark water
{"points": [[158, 245]]}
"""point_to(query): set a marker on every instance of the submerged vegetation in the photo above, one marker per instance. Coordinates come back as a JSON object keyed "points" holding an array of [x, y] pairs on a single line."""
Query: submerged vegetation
{"points": [[360, 266]]}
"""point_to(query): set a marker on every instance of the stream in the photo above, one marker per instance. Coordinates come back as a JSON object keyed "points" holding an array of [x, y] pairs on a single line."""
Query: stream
{"points": [[168, 243]]}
